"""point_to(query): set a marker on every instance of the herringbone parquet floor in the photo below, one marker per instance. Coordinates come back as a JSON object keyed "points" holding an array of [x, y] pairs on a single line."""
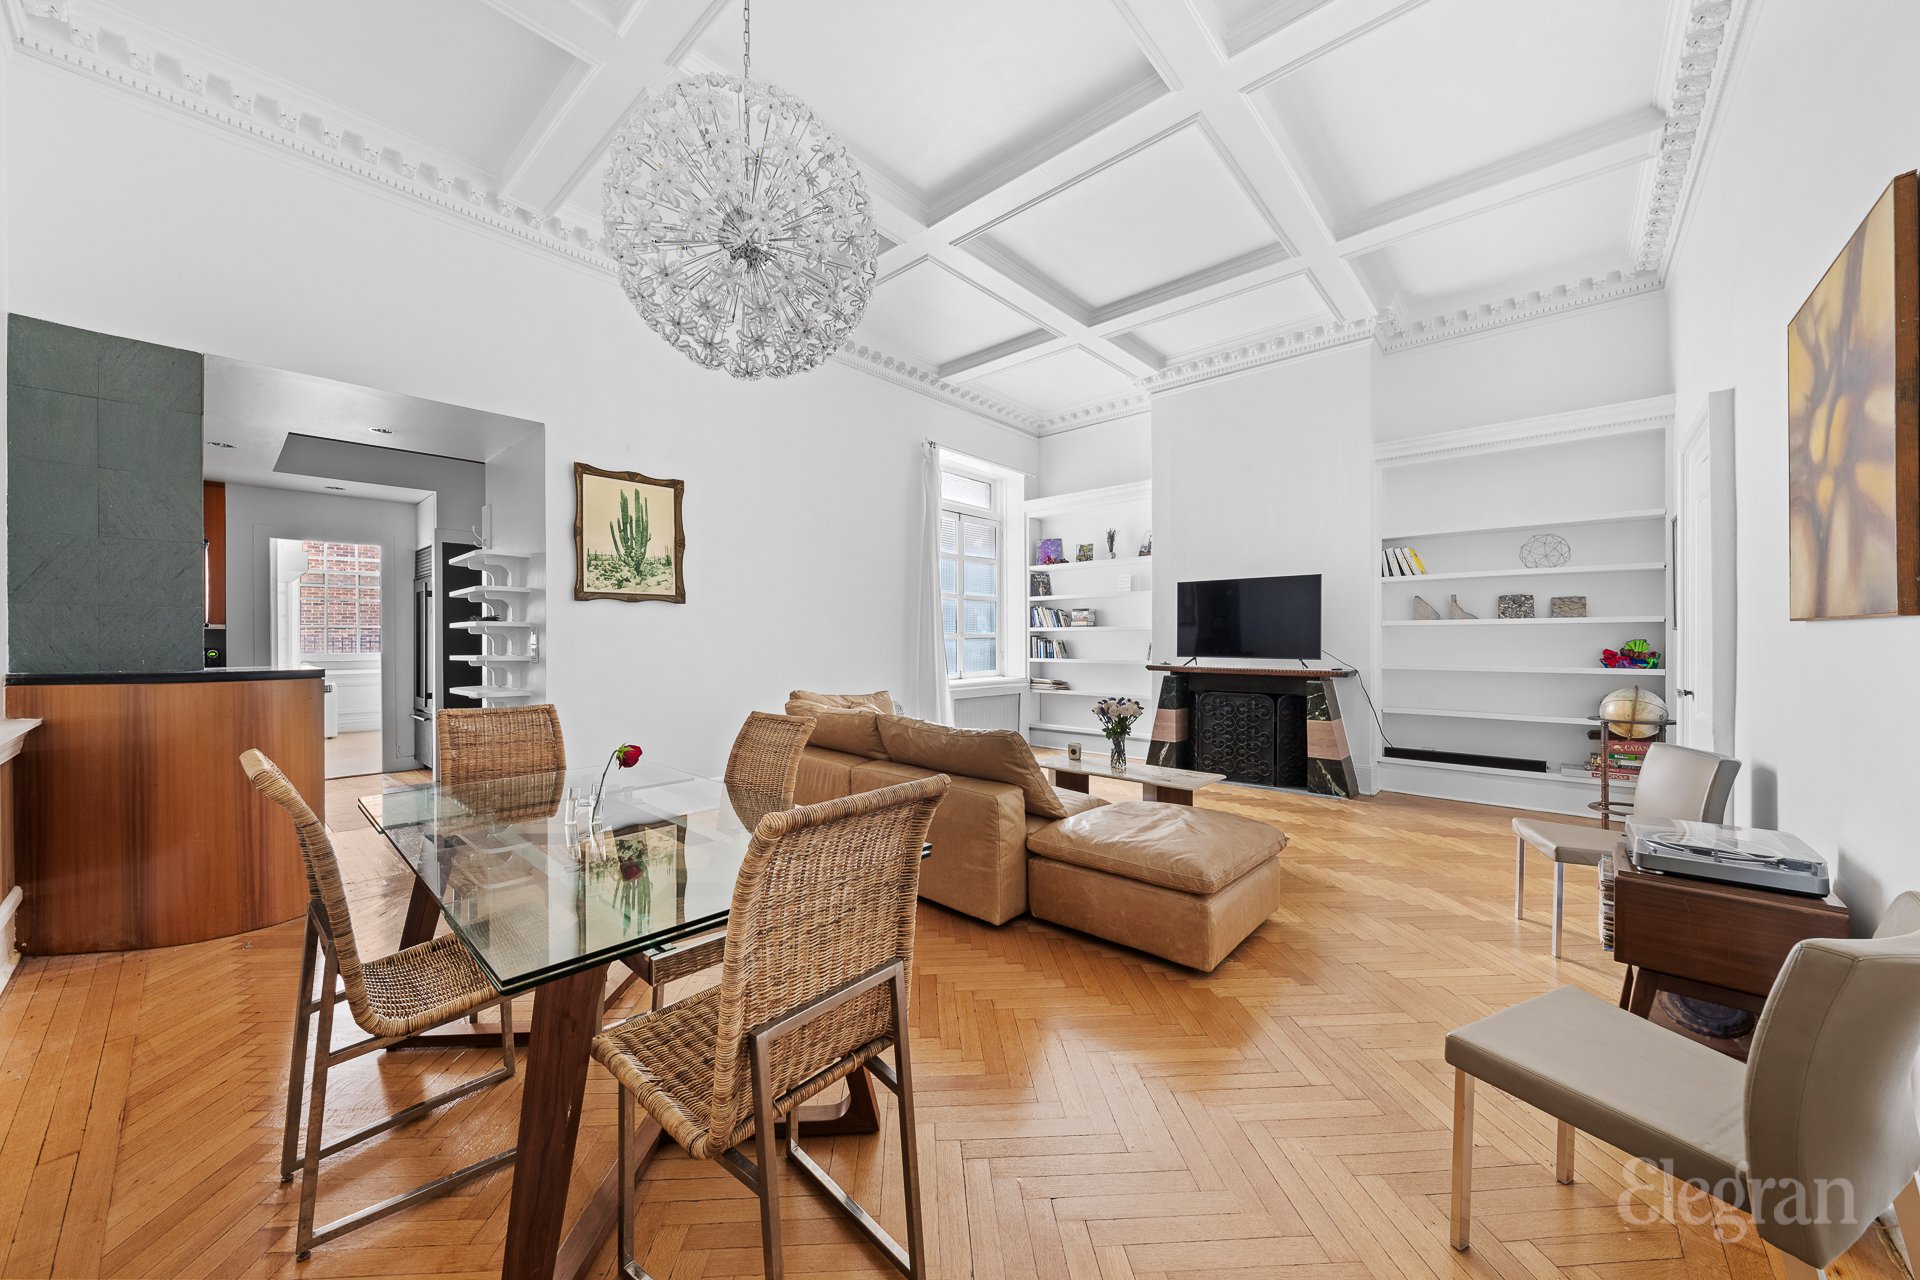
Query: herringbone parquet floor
{"points": [[1086, 1112]]}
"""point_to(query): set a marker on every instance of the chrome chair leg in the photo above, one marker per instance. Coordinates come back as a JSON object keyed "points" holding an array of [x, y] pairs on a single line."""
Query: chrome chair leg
{"points": [[1559, 903], [909, 1145], [297, 1068], [506, 1037], [316, 1115], [1519, 878], [765, 1126], [624, 1140]]}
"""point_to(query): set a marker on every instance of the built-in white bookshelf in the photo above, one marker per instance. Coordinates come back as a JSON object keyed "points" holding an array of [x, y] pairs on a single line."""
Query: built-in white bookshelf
{"points": [[507, 638], [1466, 502], [1108, 657]]}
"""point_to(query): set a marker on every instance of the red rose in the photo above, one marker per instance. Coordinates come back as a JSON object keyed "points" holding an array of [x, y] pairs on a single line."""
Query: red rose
{"points": [[628, 755]]}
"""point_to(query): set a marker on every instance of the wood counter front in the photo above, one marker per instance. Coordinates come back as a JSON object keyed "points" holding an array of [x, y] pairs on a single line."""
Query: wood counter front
{"points": [[137, 826]]}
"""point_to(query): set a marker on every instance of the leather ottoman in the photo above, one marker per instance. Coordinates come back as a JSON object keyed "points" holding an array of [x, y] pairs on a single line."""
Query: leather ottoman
{"points": [[1185, 884]]}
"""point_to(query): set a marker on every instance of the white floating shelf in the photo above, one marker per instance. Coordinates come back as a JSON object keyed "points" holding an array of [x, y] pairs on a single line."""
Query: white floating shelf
{"points": [[1093, 662], [1090, 564], [1521, 622], [1517, 717], [1081, 693], [1635, 672], [489, 591], [491, 627], [1086, 595], [491, 659], [1548, 522], [495, 691], [1090, 730], [1550, 775], [484, 558], [1069, 630], [1650, 566]]}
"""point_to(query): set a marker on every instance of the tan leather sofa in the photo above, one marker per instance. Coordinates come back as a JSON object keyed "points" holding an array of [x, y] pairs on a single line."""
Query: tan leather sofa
{"points": [[1185, 884]]}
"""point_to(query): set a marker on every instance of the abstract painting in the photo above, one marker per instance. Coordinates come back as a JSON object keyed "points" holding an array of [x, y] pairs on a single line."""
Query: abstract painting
{"points": [[1853, 424], [628, 540]]}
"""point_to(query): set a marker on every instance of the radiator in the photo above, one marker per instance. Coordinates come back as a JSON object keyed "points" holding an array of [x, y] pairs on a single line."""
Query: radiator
{"points": [[988, 711]]}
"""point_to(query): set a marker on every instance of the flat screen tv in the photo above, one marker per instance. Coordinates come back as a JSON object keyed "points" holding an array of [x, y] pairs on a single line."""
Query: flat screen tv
{"points": [[1251, 617]]}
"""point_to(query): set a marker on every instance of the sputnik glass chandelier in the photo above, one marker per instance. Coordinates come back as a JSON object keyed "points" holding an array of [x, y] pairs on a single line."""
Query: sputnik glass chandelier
{"points": [[740, 224]]}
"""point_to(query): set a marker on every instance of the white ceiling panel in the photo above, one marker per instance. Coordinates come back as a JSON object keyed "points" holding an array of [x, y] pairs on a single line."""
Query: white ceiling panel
{"points": [[456, 74], [1581, 227], [1151, 219], [1058, 380], [930, 312], [941, 94], [1284, 306], [1239, 23], [1454, 86]]}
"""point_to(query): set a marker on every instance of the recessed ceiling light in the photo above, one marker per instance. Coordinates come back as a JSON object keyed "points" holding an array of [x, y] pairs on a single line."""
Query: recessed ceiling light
{"points": [[381, 431], [218, 444], [338, 488]]}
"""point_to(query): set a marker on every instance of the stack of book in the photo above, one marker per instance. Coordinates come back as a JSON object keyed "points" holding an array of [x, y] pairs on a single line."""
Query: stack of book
{"points": [[1624, 758], [1042, 684], [1041, 615], [1401, 562], [1042, 647]]}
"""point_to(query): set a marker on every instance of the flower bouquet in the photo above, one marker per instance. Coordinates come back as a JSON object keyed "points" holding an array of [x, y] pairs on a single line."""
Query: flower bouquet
{"points": [[1116, 717]]}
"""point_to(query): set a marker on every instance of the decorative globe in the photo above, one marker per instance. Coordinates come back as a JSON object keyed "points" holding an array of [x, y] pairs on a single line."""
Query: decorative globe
{"points": [[1545, 551], [1633, 703]]}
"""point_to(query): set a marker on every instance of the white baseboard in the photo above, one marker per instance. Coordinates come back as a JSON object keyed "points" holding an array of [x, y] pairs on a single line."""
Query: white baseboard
{"points": [[9, 952]]}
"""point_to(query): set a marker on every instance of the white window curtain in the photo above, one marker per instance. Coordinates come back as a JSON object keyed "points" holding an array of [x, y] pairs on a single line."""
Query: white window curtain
{"points": [[927, 694]]}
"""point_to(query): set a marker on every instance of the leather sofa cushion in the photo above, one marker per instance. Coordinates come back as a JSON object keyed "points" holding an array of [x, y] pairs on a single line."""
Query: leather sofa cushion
{"points": [[824, 775], [998, 755], [979, 862], [1172, 845], [1073, 801], [854, 732], [880, 701], [1196, 930]]}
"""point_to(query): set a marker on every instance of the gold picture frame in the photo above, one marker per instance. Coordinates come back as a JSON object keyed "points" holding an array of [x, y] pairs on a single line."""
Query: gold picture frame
{"points": [[618, 553], [1853, 424]]}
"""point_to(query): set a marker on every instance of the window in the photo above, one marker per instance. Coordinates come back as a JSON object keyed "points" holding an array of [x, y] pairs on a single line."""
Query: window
{"points": [[339, 597], [970, 573]]}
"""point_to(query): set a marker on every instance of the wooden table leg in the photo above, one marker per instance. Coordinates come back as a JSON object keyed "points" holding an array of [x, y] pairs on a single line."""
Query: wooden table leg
{"points": [[423, 916], [1165, 795], [1626, 988], [566, 1016], [599, 1217], [1071, 781], [856, 1113], [1645, 987]]}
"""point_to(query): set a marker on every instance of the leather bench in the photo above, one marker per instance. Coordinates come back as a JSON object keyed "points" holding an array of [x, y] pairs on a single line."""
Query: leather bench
{"points": [[1188, 885]]}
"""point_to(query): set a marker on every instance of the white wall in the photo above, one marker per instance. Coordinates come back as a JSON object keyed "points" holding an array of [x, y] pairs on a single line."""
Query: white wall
{"points": [[1597, 355], [1825, 712], [800, 493], [256, 516], [1107, 453], [1271, 472]]}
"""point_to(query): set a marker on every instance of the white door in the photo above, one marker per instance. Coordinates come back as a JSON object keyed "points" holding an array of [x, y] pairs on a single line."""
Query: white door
{"points": [[1691, 700]]}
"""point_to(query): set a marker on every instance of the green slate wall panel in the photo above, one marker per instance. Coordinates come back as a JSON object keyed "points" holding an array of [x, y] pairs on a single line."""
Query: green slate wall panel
{"points": [[104, 561]]}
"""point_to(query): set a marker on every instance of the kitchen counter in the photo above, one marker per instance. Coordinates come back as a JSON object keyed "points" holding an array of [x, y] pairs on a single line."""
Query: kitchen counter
{"points": [[206, 675]]}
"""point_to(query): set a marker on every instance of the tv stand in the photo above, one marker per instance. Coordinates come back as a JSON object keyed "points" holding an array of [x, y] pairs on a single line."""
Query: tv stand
{"points": [[1266, 725]]}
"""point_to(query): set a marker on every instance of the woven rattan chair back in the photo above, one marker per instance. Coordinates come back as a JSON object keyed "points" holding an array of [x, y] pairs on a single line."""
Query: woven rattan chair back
{"points": [[324, 884], [477, 744], [764, 766], [826, 895]]}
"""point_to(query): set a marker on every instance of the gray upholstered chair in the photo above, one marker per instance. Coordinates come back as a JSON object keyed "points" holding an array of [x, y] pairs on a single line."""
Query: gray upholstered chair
{"points": [[1815, 1136], [1677, 783]]}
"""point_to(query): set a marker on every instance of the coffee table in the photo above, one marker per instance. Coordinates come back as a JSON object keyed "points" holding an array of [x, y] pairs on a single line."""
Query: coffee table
{"points": [[1171, 786]]}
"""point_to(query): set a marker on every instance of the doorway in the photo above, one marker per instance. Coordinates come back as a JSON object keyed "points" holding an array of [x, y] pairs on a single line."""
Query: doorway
{"points": [[1705, 581], [327, 599]]}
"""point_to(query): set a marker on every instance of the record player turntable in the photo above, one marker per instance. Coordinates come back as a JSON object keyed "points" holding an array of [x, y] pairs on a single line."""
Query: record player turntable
{"points": [[1733, 855]]}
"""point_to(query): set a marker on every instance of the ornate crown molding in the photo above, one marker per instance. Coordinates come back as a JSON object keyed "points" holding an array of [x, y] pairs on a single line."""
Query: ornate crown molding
{"points": [[904, 373], [1704, 61], [1254, 355], [1626, 418], [1103, 409], [53, 31], [1398, 333]]}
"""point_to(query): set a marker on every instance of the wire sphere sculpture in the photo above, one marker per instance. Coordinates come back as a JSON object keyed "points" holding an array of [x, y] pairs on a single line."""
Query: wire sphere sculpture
{"points": [[1545, 551], [741, 226]]}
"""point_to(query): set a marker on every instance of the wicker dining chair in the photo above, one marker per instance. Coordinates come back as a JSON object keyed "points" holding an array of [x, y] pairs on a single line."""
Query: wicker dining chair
{"points": [[762, 770], [391, 998], [478, 744], [819, 948]]}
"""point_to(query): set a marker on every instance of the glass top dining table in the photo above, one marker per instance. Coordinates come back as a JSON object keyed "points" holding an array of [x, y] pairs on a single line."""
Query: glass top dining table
{"points": [[537, 892]]}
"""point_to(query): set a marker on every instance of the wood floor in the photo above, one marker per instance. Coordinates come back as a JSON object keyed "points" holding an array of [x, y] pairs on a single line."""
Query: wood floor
{"points": [[1086, 1112]]}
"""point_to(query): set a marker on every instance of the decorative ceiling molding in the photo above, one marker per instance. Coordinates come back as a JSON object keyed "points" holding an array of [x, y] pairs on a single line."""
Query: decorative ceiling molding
{"points": [[1093, 412], [905, 373], [1268, 351], [1398, 333], [1627, 418], [1705, 58], [178, 81]]}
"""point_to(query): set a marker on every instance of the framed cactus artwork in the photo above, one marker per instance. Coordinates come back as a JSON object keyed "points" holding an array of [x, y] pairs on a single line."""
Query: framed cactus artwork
{"points": [[628, 539]]}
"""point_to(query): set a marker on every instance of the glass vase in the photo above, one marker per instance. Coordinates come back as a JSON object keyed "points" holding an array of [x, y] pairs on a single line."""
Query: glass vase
{"points": [[1118, 756]]}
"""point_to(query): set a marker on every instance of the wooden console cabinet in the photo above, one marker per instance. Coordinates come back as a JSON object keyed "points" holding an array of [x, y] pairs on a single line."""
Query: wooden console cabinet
{"points": [[137, 827]]}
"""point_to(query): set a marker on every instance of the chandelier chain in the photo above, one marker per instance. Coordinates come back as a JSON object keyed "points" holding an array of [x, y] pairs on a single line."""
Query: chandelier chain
{"points": [[746, 42]]}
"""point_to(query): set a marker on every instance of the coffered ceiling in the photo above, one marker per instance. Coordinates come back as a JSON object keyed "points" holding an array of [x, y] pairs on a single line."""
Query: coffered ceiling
{"points": [[1082, 200]]}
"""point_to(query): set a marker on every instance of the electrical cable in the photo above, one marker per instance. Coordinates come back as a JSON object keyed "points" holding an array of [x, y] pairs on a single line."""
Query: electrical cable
{"points": [[1362, 681]]}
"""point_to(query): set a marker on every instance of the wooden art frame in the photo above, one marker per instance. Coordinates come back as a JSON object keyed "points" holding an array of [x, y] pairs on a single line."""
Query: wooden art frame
{"points": [[616, 526], [1853, 423]]}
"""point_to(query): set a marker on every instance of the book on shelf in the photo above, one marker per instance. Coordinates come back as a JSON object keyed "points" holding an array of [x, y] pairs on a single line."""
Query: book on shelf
{"points": [[1039, 584], [1045, 684], [1041, 615], [1583, 771], [1402, 562], [1045, 647]]}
